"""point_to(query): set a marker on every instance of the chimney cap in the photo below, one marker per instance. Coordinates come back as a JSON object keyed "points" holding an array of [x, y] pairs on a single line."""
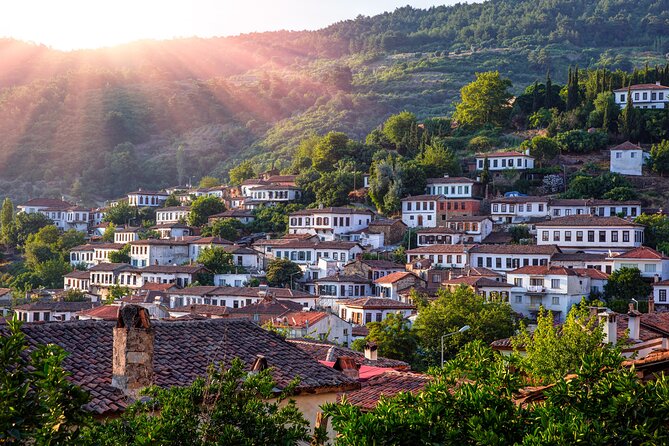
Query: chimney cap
{"points": [[133, 316]]}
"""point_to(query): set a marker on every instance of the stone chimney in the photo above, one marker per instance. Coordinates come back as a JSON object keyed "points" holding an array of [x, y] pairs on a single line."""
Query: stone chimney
{"points": [[634, 323], [651, 305], [371, 351], [347, 366], [609, 321], [132, 358]]}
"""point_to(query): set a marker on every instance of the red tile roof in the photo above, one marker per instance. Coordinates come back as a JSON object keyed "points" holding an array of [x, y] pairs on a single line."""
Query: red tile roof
{"points": [[47, 202], [325, 351], [450, 180], [626, 146], [104, 312], [499, 154], [300, 319], [372, 303], [545, 270], [643, 87], [439, 249], [184, 350], [593, 273], [587, 221], [394, 277], [642, 252], [388, 384]]}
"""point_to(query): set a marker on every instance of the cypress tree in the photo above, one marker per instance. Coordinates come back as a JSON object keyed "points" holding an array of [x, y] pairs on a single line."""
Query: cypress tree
{"points": [[549, 88], [628, 122], [535, 97]]}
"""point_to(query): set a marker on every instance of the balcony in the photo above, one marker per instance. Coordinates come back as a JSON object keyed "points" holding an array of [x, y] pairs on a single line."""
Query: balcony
{"points": [[536, 289]]}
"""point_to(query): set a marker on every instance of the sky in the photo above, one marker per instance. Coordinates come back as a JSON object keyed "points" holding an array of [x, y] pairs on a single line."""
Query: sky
{"points": [[77, 24]]}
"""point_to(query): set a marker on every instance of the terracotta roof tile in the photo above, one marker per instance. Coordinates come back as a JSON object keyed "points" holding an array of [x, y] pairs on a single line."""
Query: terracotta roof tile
{"points": [[394, 277], [325, 351], [642, 252], [387, 384], [376, 303]]}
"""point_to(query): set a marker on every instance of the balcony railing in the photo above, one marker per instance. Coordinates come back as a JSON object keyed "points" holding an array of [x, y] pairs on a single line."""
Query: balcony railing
{"points": [[536, 288]]}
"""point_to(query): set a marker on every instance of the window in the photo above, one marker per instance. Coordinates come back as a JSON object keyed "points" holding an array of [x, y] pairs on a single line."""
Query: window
{"points": [[632, 154], [529, 207], [619, 155], [591, 236], [521, 208], [555, 284], [498, 263], [495, 208], [541, 207], [663, 295], [567, 236], [614, 236], [602, 236], [556, 212], [519, 299], [556, 236], [649, 268], [544, 236], [579, 236], [555, 300], [626, 236], [518, 281], [368, 318]]}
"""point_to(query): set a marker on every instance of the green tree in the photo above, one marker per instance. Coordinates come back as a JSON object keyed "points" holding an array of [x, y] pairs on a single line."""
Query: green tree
{"points": [[519, 232], [6, 221], [659, 155], [74, 295], [202, 208], [243, 171], [42, 246], [656, 231], [283, 272], [71, 238], [120, 256], [217, 260], [116, 292], [38, 404], [329, 150], [551, 351], [225, 228], [397, 129], [543, 148], [484, 101], [272, 218], [108, 235], [121, 214], [629, 121], [26, 224], [181, 165], [626, 284], [51, 272], [231, 406], [207, 182], [623, 193], [394, 338], [606, 107], [436, 160], [171, 201], [488, 321]]}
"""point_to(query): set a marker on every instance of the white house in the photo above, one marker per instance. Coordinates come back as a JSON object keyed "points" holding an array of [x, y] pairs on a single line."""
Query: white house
{"points": [[505, 258], [244, 257], [146, 198], [472, 229], [83, 254], [308, 253], [63, 214], [451, 187], [180, 275], [329, 223], [319, 325], [441, 256], [589, 260], [372, 309], [235, 297], [513, 210], [643, 95], [159, 252], [392, 285], [51, 311], [105, 275], [243, 215], [590, 233], [420, 211], [551, 287], [341, 286], [274, 193], [603, 208], [627, 159], [660, 291], [126, 234], [173, 230], [652, 264], [439, 235], [505, 160], [172, 214], [77, 280]]}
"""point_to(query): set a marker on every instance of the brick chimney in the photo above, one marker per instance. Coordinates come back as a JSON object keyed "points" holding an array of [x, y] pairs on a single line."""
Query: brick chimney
{"points": [[651, 305], [132, 358], [347, 366], [371, 351]]}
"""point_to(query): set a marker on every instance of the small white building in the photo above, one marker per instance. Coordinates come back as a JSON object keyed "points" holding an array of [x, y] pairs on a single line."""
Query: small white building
{"points": [[505, 161], [274, 193], [420, 211], [627, 159], [146, 198], [514, 210], [660, 291], [77, 280], [441, 256], [652, 264], [472, 229], [505, 258], [158, 252], [554, 288], [372, 309], [172, 214], [51, 311], [332, 288], [439, 235], [180, 275], [314, 324], [126, 234], [451, 187], [329, 223], [603, 208], [83, 254], [308, 253], [590, 233], [643, 96]]}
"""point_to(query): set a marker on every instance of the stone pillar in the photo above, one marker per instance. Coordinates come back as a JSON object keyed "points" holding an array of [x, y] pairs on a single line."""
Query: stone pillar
{"points": [[132, 360]]}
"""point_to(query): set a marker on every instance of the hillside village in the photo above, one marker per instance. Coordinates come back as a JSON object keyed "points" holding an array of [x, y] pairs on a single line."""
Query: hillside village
{"points": [[505, 225]]}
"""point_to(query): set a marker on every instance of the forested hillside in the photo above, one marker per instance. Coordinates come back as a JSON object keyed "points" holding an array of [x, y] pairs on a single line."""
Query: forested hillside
{"points": [[97, 123]]}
